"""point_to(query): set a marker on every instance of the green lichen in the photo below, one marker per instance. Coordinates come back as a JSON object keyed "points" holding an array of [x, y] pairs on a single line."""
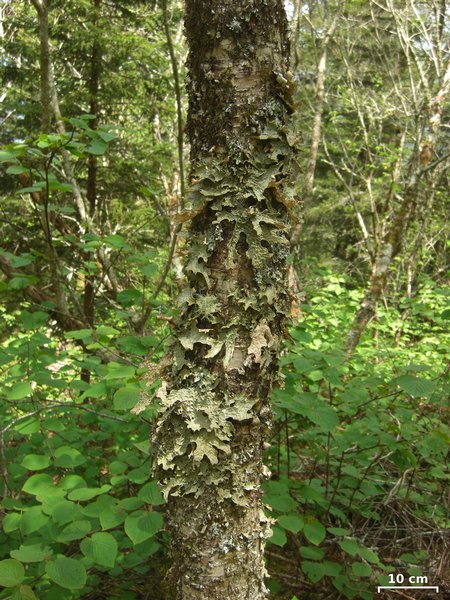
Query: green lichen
{"points": [[236, 271], [214, 402], [200, 428]]}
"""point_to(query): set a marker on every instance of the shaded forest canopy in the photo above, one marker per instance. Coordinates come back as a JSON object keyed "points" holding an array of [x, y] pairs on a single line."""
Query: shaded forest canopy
{"points": [[98, 200]]}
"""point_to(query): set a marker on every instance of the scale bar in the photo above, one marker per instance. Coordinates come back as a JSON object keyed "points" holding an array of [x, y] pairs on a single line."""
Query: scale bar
{"points": [[408, 587]]}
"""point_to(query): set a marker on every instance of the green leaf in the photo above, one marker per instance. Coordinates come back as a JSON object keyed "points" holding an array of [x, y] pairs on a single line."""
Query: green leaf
{"points": [[106, 136], [331, 569], [105, 330], [292, 522], [24, 592], [85, 493], [132, 503], [338, 531], [21, 282], [410, 558], [117, 467], [35, 462], [315, 375], [32, 520], [37, 317], [143, 447], [150, 494], [312, 552], [12, 572], [74, 531], [141, 525], [148, 270], [349, 546], [119, 371], [68, 457], [11, 522], [416, 387], [323, 415], [351, 470], [27, 426], [37, 484], [19, 391], [445, 314], [67, 572], [369, 555], [97, 147], [6, 156], [133, 344], [302, 365], [278, 536], [101, 548], [282, 503], [110, 518], [129, 297], [95, 509], [116, 241], [64, 511], [96, 390], [361, 569], [310, 406], [16, 170], [80, 334], [31, 553], [314, 532], [313, 571], [126, 397]]}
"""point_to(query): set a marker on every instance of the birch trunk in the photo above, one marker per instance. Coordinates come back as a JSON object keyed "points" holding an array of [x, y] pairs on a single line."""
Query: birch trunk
{"points": [[215, 413], [308, 184]]}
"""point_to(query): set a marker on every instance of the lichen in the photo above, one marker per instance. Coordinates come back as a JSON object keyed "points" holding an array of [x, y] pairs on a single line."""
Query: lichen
{"points": [[214, 400], [233, 311]]}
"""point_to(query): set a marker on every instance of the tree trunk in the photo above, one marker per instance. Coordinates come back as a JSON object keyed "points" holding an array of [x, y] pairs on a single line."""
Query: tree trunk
{"points": [[316, 133], [42, 9], [91, 188], [308, 184], [215, 410]]}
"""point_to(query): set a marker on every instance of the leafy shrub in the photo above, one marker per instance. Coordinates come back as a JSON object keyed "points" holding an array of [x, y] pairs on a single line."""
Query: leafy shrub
{"points": [[358, 457]]}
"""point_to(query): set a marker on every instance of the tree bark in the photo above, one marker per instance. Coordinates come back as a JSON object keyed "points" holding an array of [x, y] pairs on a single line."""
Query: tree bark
{"points": [[91, 188], [42, 8], [318, 110], [308, 184], [215, 411]]}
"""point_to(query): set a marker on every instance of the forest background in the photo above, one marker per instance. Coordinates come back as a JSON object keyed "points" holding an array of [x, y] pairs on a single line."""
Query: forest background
{"points": [[94, 189]]}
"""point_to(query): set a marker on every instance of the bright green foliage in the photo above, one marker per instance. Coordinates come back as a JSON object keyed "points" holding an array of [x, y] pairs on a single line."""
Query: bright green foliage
{"points": [[66, 572], [75, 503], [12, 573], [379, 462], [101, 548], [369, 433]]}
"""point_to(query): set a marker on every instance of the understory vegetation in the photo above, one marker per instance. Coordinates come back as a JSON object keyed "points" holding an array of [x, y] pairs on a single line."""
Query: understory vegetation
{"points": [[359, 485]]}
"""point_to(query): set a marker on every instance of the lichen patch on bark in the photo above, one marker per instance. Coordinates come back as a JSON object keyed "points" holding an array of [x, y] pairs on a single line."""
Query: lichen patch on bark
{"points": [[215, 411]]}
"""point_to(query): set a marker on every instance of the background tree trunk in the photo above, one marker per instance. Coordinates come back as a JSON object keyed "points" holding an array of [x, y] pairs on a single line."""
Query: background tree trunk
{"points": [[414, 190], [214, 400]]}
